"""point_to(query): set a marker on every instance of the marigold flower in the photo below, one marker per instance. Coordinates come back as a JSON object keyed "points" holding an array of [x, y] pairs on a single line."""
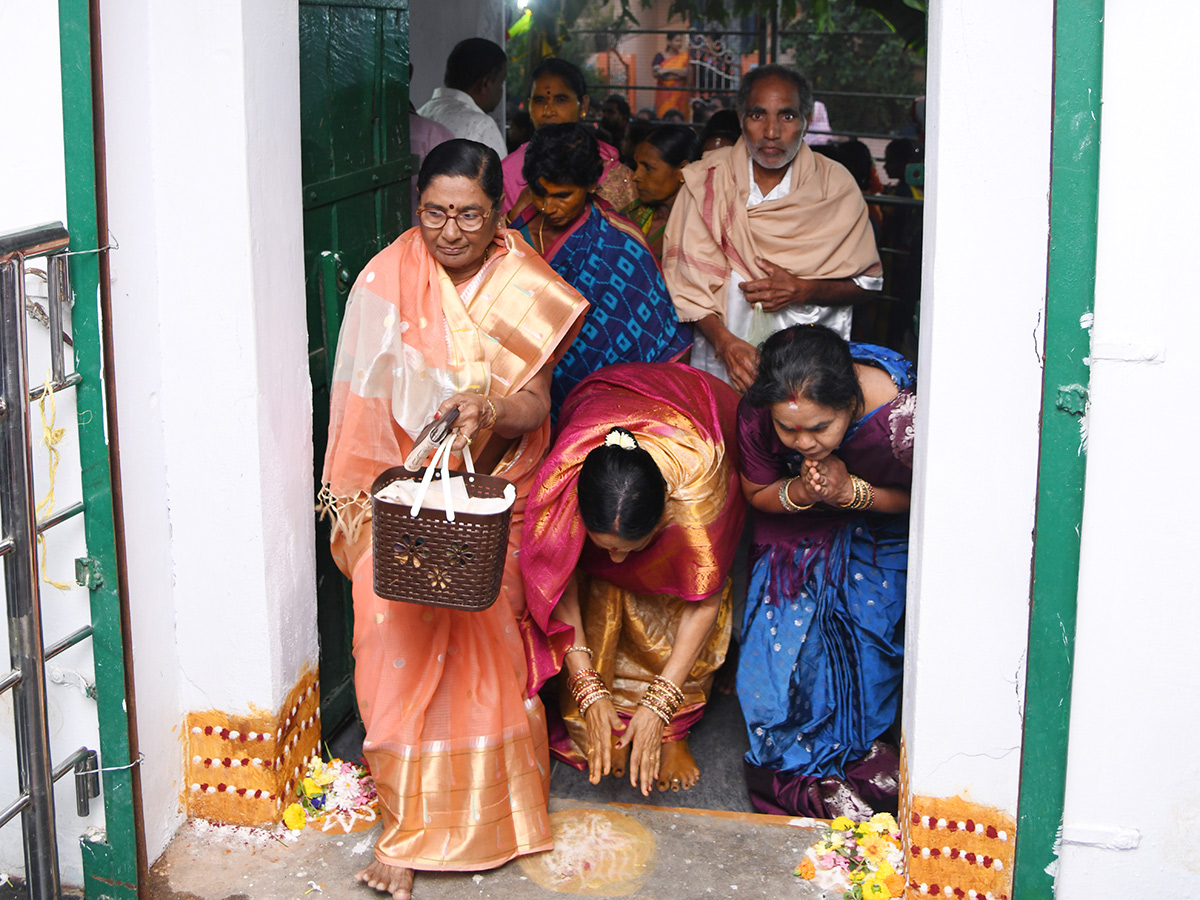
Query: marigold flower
{"points": [[806, 869], [294, 817], [874, 889], [874, 847], [842, 823]]}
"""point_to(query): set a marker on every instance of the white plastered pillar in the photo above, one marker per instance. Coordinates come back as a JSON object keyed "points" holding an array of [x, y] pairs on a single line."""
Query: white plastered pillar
{"points": [[986, 214], [203, 151]]}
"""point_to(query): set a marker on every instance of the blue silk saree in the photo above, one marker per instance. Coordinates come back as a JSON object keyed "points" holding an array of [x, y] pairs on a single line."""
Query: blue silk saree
{"points": [[822, 654]]}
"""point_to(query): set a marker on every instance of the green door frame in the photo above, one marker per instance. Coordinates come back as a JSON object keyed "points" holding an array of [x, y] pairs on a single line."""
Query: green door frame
{"points": [[113, 864], [356, 168], [1070, 292]]}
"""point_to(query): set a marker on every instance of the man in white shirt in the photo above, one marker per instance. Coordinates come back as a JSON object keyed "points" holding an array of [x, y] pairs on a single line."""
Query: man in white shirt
{"points": [[767, 222], [471, 89]]}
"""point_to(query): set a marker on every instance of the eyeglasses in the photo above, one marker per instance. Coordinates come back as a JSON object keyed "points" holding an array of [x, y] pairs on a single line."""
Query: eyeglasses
{"points": [[468, 220]]}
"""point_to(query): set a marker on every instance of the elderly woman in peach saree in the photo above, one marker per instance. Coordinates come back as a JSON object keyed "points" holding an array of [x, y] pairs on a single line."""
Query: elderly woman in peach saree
{"points": [[629, 539], [457, 313]]}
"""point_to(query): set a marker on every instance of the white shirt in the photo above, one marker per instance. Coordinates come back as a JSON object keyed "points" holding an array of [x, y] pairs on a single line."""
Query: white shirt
{"points": [[740, 315], [462, 115]]}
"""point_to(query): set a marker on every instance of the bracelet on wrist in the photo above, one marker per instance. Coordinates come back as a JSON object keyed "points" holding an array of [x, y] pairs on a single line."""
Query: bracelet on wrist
{"points": [[587, 687], [864, 494], [663, 698], [580, 648], [492, 409], [788, 504]]}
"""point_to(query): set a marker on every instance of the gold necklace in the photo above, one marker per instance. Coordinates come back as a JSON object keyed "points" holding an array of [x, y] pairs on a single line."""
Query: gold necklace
{"points": [[541, 240]]}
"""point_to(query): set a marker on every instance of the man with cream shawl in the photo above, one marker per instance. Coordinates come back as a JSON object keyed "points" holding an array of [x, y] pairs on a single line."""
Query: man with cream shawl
{"points": [[767, 222]]}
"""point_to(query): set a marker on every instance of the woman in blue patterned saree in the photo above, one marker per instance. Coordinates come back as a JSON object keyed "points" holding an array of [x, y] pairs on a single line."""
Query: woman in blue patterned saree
{"points": [[825, 436], [598, 252]]}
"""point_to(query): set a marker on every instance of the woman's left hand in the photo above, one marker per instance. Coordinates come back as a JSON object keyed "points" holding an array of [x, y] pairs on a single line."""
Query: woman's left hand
{"points": [[828, 480], [645, 733], [474, 415]]}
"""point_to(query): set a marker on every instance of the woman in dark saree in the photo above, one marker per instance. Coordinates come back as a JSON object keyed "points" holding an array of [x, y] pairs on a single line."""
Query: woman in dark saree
{"points": [[825, 437]]}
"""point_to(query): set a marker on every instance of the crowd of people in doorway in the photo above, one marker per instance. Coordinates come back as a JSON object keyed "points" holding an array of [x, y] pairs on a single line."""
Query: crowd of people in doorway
{"points": [[652, 344]]}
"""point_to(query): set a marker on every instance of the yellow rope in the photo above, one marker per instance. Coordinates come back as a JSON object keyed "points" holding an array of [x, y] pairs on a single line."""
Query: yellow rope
{"points": [[50, 437]]}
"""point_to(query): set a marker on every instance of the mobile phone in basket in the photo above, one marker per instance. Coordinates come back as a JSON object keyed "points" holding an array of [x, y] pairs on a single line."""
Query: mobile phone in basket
{"points": [[429, 439]]}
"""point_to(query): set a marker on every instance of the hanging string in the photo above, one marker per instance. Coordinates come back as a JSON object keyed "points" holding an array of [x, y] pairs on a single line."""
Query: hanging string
{"points": [[50, 438]]}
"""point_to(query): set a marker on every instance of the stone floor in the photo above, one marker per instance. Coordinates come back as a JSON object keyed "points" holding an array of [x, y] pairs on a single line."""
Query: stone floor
{"points": [[614, 850], [610, 841]]}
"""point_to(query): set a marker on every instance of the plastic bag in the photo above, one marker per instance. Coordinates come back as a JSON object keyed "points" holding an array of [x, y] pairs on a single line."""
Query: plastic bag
{"points": [[762, 326]]}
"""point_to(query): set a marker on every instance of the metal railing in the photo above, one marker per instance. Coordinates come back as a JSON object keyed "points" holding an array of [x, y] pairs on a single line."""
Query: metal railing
{"points": [[18, 547], [717, 57]]}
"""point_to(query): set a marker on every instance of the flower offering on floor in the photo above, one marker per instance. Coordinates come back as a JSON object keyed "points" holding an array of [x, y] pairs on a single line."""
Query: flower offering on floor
{"points": [[333, 794], [862, 860]]}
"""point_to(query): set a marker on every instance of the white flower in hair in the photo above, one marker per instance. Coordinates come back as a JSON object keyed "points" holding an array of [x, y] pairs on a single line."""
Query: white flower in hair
{"points": [[622, 439]]}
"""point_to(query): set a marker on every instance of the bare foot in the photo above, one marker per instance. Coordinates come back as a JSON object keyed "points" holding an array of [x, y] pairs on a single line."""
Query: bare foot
{"points": [[678, 769], [387, 879], [620, 760]]}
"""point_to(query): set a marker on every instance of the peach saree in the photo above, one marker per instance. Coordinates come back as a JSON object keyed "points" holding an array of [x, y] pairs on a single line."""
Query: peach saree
{"points": [[456, 746], [681, 416]]}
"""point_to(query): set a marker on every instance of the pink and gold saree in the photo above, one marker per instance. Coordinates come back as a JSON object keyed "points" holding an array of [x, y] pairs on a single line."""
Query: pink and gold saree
{"points": [[681, 416], [456, 746]]}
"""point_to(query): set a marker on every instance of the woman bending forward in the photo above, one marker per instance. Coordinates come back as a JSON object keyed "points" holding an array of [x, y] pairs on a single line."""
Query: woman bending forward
{"points": [[628, 543]]}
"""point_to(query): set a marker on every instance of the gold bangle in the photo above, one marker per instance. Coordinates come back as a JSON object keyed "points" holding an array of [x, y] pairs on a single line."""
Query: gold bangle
{"points": [[663, 698], [580, 648], [663, 683], [581, 675], [587, 687], [657, 710], [492, 407], [864, 494], [788, 504]]}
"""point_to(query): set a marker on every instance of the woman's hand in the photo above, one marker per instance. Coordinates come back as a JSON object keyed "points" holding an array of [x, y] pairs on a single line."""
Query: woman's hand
{"points": [[828, 480], [601, 718], [475, 414], [645, 734], [524, 199]]}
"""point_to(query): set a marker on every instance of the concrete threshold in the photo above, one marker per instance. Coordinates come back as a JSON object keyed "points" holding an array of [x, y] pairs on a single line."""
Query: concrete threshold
{"points": [[602, 849]]}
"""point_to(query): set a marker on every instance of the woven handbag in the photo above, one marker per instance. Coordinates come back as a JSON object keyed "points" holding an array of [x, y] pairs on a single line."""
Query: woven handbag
{"points": [[439, 557]]}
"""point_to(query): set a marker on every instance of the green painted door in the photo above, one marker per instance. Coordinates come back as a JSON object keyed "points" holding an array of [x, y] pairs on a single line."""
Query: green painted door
{"points": [[356, 170]]}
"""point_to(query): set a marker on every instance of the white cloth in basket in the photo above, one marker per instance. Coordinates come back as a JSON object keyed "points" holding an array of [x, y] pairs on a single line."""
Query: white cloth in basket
{"points": [[404, 492]]}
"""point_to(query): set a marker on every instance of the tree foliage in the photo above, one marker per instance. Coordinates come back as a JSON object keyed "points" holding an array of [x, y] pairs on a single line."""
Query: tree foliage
{"points": [[905, 17], [857, 57]]}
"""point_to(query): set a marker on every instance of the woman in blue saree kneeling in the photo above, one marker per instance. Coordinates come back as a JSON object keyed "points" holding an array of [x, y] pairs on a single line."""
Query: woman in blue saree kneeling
{"points": [[825, 435]]}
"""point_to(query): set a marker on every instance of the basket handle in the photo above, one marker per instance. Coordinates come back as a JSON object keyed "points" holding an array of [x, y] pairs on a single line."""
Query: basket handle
{"points": [[441, 455]]}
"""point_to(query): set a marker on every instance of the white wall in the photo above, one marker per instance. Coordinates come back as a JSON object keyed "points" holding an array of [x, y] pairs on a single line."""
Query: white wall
{"points": [[979, 394], [436, 26], [213, 391], [1133, 773]]}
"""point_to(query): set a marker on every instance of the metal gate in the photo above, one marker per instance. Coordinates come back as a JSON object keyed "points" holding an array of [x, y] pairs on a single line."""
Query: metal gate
{"points": [[21, 529]]}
